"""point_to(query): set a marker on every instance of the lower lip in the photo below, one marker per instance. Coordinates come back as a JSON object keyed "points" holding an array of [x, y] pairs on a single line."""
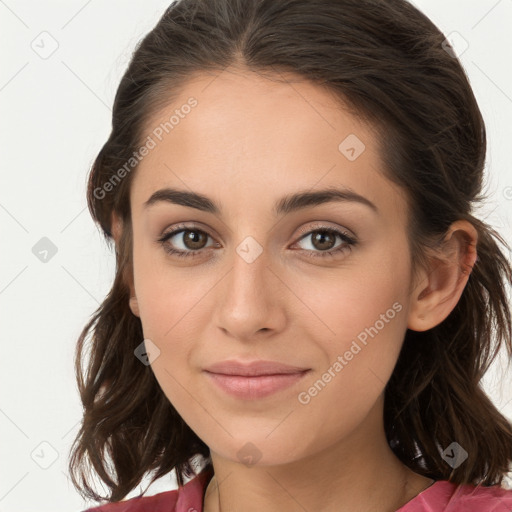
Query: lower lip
{"points": [[250, 388]]}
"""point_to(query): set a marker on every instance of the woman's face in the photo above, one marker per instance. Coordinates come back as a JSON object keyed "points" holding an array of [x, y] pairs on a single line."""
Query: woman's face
{"points": [[261, 284]]}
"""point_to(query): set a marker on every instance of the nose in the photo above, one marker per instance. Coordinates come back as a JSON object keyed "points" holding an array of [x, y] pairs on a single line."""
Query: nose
{"points": [[250, 299]]}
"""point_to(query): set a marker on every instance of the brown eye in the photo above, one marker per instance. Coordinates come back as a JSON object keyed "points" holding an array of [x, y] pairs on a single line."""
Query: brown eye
{"points": [[194, 239], [184, 242], [323, 240]]}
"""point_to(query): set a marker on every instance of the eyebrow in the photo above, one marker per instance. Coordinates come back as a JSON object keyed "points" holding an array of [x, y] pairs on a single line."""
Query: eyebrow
{"points": [[287, 204]]}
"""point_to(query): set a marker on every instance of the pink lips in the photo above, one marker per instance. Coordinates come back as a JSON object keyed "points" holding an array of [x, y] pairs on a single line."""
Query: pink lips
{"points": [[257, 379]]}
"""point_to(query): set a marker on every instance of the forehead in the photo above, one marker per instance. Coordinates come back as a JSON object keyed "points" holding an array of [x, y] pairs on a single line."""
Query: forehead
{"points": [[260, 137]]}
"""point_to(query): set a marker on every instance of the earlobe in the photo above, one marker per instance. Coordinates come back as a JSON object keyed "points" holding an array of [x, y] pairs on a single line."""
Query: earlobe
{"points": [[116, 228], [441, 287], [134, 306]]}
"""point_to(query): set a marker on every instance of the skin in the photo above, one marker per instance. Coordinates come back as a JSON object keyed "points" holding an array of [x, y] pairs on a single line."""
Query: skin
{"points": [[248, 143]]}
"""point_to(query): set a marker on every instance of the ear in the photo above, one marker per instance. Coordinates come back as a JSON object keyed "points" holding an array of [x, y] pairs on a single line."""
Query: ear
{"points": [[117, 230], [440, 287]]}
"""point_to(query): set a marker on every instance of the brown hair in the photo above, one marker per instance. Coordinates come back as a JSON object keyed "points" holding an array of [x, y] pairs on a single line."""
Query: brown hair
{"points": [[387, 62]]}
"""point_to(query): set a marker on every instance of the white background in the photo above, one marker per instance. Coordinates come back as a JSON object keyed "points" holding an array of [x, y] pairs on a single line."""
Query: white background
{"points": [[54, 118]]}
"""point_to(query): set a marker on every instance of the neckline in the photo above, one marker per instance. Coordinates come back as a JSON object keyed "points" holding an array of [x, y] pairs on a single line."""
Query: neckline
{"points": [[209, 474], [430, 489]]}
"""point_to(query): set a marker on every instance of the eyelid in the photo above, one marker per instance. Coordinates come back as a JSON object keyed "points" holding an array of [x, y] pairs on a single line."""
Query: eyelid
{"points": [[179, 228], [194, 226], [325, 225]]}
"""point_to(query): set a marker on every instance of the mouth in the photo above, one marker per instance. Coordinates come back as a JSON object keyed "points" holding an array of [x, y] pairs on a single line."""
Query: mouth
{"points": [[251, 387], [255, 368]]}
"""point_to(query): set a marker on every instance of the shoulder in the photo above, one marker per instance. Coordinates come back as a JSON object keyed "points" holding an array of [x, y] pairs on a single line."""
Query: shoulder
{"points": [[164, 501], [479, 499], [450, 497], [186, 498]]}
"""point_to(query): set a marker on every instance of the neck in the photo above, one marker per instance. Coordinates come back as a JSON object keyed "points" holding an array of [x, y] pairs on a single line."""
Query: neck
{"points": [[360, 473]]}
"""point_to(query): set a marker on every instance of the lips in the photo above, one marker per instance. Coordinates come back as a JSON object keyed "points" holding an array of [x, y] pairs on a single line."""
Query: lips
{"points": [[256, 379], [253, 368]]}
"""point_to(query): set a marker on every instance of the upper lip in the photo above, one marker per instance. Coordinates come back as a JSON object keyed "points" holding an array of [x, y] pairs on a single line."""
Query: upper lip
{"points": [[253, 368]]}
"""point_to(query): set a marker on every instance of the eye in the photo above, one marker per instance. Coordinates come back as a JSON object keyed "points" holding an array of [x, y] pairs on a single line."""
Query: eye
{"points": [[192, 240], [323, 241]]}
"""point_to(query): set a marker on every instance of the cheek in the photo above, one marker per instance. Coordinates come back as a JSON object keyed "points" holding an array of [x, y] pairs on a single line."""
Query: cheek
{"points": [[169, 306], [363, 310], [370, 295], [169, 296], [173, 312], [369, 321]]}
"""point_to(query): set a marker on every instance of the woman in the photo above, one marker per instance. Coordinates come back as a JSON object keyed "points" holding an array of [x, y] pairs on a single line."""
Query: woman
{"points": [[303, 296]]}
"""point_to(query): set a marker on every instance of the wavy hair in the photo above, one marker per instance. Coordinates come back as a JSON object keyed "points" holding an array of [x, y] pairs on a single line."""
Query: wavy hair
{"points": [[390, 65]]}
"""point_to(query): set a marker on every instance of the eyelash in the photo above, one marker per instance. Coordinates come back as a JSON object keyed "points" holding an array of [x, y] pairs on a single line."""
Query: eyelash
{"points": [[349, 242]]}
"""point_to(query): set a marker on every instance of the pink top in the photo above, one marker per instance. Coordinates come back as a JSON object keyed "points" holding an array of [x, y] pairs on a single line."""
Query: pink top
{"points": [[441, 496]]}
